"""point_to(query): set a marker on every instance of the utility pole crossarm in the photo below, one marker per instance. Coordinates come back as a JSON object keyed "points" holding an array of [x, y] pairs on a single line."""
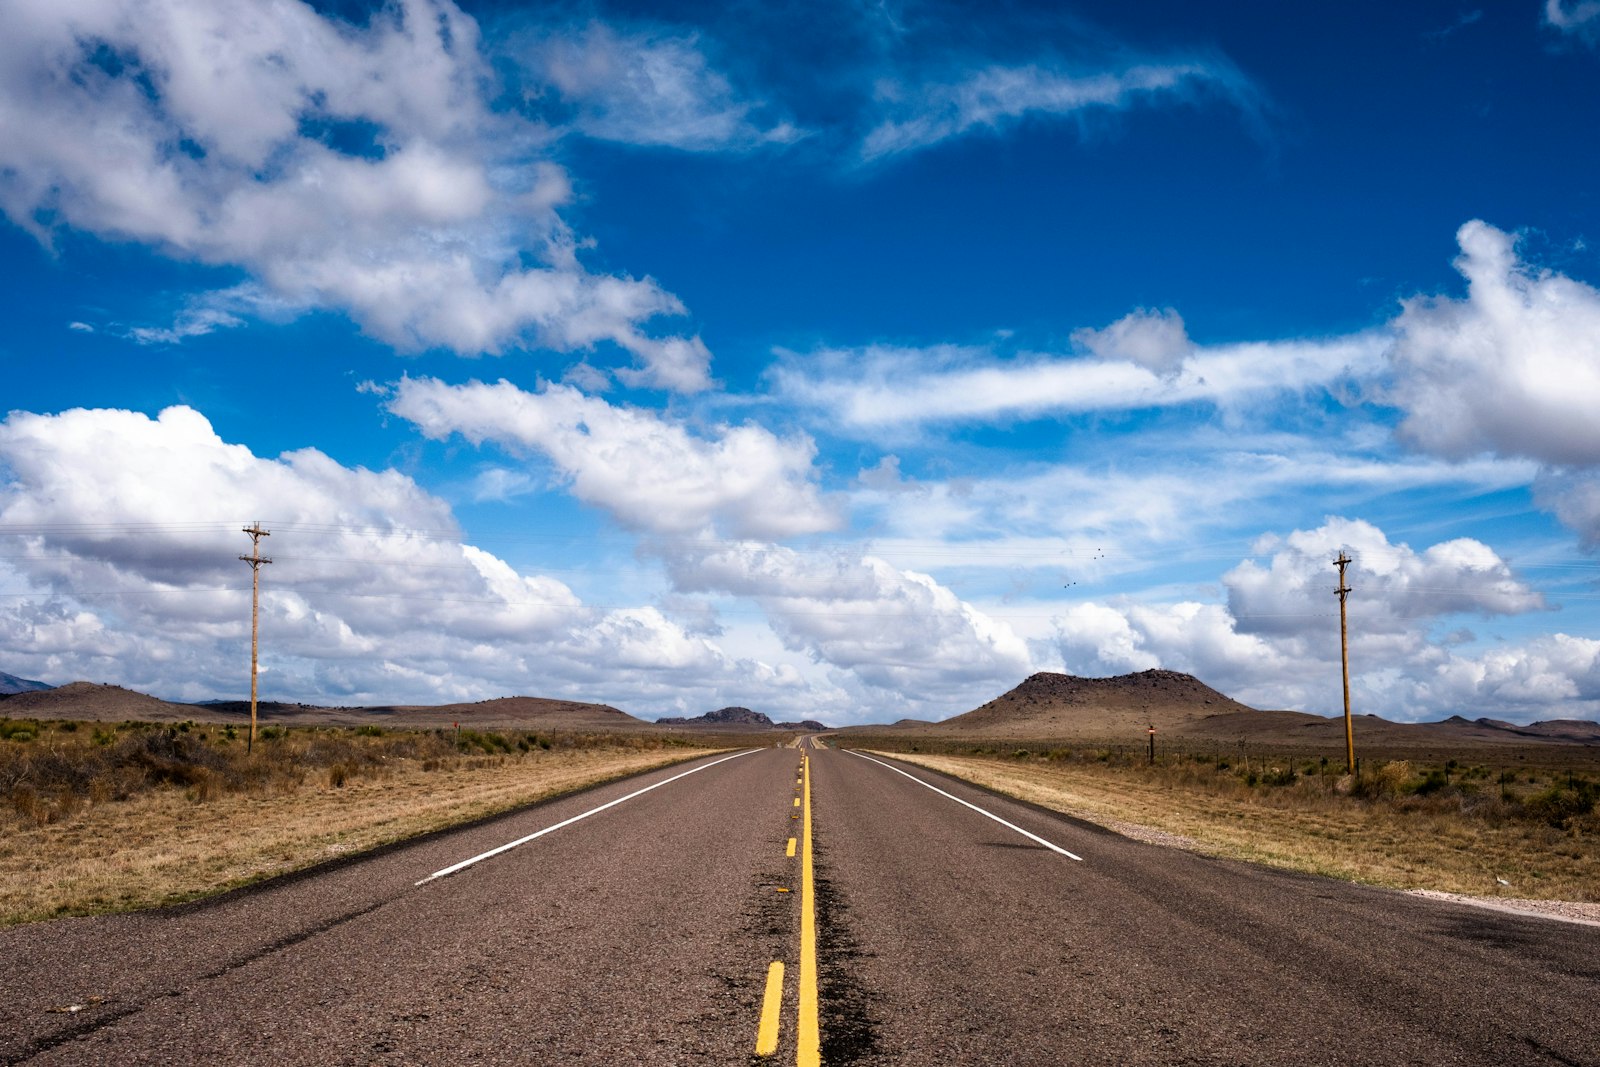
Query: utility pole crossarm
{"points": [[255, 559]]}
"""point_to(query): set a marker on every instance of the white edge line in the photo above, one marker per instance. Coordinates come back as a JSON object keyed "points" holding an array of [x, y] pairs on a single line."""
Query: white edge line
{"points": [[508, 846], [974, 807]]}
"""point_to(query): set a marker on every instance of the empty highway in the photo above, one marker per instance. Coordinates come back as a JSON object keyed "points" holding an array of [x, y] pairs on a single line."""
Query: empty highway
{"points": [[921, 921]]}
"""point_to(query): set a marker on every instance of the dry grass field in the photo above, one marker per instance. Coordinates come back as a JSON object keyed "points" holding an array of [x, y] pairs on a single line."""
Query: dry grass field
{"points": [[1535, 837], [110, 818]]}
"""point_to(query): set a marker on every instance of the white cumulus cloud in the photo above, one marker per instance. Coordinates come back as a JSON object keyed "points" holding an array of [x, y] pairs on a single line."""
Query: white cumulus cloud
{"points": [[648, 471], [1513, 368], [1154, 340], [1397, 585], [896, 635], [1275, 641], [121, 537], [358, 168]]}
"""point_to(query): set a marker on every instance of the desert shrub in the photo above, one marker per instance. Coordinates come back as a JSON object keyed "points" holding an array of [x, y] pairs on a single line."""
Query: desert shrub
{"points": [[1560, 804], [1279, 776], [1433, 783], [18, 729], [29, 804], [1386, 782], [174, 759], [205, 785], [477, 741]]}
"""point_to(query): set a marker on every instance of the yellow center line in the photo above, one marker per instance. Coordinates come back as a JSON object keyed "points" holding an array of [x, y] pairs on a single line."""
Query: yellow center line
{"points": [[767, 1034], [808, 1052]]}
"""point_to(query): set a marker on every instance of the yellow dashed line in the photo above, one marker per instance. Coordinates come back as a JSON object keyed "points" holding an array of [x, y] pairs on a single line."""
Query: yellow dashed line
{"points": [[790, 850], [771, 1001]]}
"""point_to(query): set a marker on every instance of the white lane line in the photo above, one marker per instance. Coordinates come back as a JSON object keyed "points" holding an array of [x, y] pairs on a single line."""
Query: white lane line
{"points": [[509, 845], [974, 807]]}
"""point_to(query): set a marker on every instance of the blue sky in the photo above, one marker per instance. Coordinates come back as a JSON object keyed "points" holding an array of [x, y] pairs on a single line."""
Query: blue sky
{"points": [[851, 362]]}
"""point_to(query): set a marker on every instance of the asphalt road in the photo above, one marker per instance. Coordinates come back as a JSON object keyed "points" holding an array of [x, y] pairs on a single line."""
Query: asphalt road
{"points": [[644, 933]]}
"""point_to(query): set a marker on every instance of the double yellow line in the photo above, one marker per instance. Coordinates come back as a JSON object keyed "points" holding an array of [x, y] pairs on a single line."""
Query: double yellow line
{"points": [[808, 1047]]}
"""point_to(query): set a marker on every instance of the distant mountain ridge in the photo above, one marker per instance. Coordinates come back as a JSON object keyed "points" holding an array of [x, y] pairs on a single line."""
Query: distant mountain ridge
{"points": [[1122, 709], [10, 684], [737, 716], [93, 701]]}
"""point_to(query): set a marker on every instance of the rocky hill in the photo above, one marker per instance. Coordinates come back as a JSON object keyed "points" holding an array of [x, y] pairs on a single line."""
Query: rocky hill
{"points": [[91, 701], [1048, 704], [737, 717]]}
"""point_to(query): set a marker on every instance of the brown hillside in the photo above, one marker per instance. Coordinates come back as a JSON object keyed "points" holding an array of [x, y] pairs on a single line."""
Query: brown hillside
{"points": [[527, 713], [1063, 705], [93, 702]]}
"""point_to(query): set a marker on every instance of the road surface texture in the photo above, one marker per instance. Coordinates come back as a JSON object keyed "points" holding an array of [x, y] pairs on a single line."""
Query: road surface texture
{"points": [[645, 932]]}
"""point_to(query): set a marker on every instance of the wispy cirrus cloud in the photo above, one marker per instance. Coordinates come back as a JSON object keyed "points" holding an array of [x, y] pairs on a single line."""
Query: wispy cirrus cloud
{"points": [[643, 87], [1580, 18], [991, 97], [866, 389]]}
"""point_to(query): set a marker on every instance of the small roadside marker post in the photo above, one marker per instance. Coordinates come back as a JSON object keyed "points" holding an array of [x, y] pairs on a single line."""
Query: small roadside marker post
{"points": [[1152, 744]]}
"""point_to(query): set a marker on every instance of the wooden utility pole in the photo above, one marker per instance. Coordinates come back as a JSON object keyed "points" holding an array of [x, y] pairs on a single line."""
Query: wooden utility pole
{"points": [[255, 559], [1343, 592]]}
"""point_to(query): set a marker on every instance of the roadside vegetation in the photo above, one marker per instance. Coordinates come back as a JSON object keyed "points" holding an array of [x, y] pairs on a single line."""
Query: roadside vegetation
{"points": [[1487, 827], [101, 817]]}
